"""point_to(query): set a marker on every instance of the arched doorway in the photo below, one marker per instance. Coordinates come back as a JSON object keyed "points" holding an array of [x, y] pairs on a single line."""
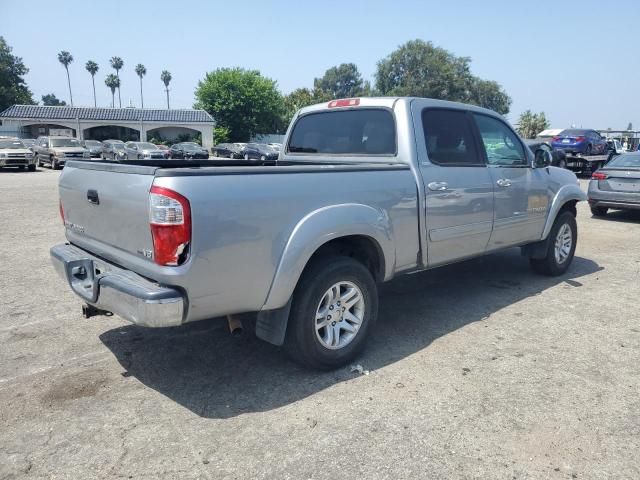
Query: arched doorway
{"points": [[114, 132], [173, 135], [36, 130]]}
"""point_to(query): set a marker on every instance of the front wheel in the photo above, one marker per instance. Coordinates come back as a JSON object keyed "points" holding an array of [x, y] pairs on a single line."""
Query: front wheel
{"points": [[335, 306], [32, 167], [561, 246]]}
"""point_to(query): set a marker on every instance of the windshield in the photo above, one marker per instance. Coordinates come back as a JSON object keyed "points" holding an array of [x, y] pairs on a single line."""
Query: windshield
{"points": [[28, 142], [11, 144], [117, 146], [190, 146], [64, 142], [627, 160], [92, 143], [147, 146]]}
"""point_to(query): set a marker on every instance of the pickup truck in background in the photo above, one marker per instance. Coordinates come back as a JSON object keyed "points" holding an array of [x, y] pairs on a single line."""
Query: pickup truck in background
{"points": [[364, 189]]}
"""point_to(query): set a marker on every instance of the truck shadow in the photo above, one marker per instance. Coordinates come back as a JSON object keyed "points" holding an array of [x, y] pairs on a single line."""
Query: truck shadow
{"points": [[204, 369]]}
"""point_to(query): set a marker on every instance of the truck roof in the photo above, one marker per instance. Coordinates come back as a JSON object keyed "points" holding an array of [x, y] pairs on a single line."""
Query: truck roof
{"points": [[389, 102]]}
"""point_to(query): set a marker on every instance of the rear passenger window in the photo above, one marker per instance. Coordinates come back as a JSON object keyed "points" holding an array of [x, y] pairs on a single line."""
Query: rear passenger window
{"points": [[363, 131], [449, 138]]}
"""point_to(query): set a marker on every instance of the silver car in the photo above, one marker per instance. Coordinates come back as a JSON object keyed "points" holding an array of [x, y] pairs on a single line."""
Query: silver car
{"points": [[616, 185], [142, 150], [14, 153], [56, 150]]}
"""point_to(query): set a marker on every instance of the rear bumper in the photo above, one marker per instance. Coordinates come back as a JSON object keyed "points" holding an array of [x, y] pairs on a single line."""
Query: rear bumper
{"points": [[614, 204], [125, 293]]}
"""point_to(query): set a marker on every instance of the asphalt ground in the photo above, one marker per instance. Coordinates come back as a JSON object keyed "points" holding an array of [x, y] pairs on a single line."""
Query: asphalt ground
{"points": [[478, 370]]}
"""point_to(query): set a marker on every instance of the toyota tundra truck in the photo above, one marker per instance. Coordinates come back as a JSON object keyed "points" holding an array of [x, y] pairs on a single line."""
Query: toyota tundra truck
{"points": [[364, 189]]}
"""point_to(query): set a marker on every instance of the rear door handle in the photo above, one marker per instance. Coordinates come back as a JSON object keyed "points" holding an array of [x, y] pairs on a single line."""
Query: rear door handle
{"points": [[438, 186], [504, 182]]}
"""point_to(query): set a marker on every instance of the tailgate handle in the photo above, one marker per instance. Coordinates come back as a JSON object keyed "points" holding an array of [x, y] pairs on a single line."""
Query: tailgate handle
{"points": [[92, 196]]}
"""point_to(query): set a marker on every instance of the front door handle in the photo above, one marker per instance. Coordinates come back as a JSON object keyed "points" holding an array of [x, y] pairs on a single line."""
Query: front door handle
{"points": [[438, 186], [504, 182]]}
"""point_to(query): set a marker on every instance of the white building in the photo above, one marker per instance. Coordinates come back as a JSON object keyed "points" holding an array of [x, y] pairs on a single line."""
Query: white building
{"points": [[31, 121]]}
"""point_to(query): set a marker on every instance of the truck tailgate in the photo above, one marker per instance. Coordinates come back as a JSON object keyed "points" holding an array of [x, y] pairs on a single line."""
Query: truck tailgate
{"points": [[105, 206]]}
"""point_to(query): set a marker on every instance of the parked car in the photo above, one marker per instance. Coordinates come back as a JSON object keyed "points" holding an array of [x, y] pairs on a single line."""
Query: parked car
{"points": [[142, 150], [540, 148], [164, 149], [259, 151], [28, 142], [94, 147], [14, 153], [56, 150], [113, 150], [616, 185], [188, 150], [586, 142], [368, 189], [227, 150]]}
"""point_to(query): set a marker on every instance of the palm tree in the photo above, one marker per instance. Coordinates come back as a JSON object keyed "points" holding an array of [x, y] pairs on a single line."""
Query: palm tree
{"points": [[92, 68], [117, 64], [165, 76], [65, 58], [113, 82], [141, 71]]}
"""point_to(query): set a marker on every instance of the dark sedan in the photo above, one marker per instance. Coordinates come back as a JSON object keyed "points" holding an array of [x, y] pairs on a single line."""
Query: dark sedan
{"points": [[188, 150], [259, 151], [227, 150], [616, 185], [538, 147]]}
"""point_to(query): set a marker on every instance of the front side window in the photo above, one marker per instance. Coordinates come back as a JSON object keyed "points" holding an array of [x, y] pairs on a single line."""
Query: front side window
{"points": [[449, 138], [500, 143], [366, 131]]}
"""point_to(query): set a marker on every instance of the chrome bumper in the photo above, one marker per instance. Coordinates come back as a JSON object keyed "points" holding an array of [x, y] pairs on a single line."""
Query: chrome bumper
{"points": [[109, 287]]}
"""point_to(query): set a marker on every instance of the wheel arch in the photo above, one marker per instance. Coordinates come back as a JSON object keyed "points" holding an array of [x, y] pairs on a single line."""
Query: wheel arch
{"points": [[565, 200], [356, 230]]}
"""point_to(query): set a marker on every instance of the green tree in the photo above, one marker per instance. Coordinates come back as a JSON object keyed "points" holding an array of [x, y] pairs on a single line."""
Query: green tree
{"points": [[421, 69], [531, 124], [299, 98], [92, 68], [241, 100], [65, 58], [141, 71], [166, 78], [51, 100], [343, 81], [13, 88], [117, 63], [112, 81]]}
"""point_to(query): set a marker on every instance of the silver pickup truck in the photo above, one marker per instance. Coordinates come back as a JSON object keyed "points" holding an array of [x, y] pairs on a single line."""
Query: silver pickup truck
{"points": [[364, 189]]}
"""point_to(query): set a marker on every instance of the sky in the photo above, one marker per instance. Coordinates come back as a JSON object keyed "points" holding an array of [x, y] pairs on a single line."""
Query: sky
{"points": [[578, 61]]}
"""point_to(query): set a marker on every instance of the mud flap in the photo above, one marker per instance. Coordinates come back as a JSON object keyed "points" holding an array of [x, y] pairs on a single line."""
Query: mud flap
{"points": [[271, 325]]}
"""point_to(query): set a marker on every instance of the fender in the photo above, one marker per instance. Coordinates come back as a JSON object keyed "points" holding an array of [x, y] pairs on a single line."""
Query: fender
{"points": [[319, 227], [565, 194]]}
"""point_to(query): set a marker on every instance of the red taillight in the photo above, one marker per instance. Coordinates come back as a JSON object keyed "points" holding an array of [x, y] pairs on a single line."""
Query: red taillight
{"points": [[61, 211], [344, 102], [599, 176], [170, 219], [579, 139]]}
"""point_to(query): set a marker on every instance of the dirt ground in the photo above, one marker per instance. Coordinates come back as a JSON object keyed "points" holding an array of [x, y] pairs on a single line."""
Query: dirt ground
{"points": [[478, 370]]}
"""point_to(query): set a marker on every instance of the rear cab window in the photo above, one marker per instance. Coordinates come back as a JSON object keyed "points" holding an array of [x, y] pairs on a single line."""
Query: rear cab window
{"points": [[362, 131]]}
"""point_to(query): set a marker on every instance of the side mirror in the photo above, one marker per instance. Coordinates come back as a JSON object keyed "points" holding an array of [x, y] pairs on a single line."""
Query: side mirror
{"points": [[542, 159]]}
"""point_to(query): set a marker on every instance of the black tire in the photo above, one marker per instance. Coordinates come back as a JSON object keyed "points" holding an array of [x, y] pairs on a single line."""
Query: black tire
{"points": [[246, 156], [32, 167], [548, 265], [302, 342], [54, 163], [562, 163], [599, 211]]}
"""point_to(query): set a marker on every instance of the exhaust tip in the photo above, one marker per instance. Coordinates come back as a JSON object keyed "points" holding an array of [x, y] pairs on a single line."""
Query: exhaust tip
{"points": [[235, 326]]}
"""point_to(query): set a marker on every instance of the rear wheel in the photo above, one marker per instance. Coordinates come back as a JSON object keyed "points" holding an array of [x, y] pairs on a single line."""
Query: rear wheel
{"points": [[335, 306], [561, 246], [599, 211]]}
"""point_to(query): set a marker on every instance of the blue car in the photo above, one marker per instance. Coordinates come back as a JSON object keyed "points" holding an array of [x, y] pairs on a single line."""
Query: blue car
{"points": [[584, 141]]}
